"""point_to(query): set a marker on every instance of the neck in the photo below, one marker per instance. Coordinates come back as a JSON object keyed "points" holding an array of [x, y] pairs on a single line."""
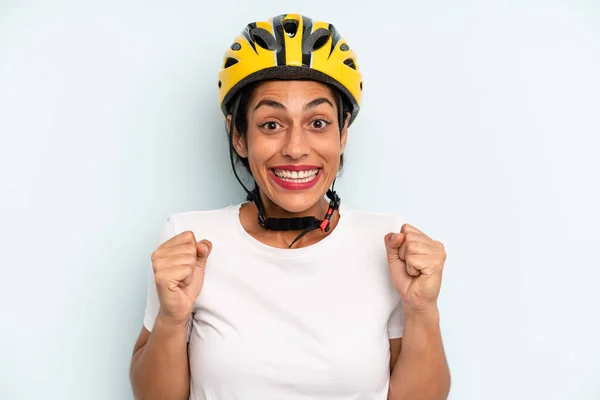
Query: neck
{"points": [[272, 210], [282, 239]]}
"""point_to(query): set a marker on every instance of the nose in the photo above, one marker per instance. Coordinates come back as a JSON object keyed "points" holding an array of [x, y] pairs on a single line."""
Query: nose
{"points": [[296, 143]]}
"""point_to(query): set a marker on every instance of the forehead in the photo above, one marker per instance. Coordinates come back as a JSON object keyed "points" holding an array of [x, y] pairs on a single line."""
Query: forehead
{"points": [[296, 91]]}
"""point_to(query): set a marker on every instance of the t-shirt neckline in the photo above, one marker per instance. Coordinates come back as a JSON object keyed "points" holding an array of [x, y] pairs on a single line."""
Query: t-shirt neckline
{"points": [[303, 252]]}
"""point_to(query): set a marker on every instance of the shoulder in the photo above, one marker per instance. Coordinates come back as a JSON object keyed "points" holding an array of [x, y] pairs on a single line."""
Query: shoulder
{"points": [[368, 220], [202, 222], [190, 217]]}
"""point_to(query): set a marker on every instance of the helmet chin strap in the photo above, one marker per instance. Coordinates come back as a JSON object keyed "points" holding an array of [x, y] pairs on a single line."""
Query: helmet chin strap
{"points": [[304, 224]]}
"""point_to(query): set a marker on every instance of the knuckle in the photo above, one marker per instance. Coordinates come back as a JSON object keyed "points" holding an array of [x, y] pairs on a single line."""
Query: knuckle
{"points": [[408, 228], [157, 263], [188, 235], [190, 249], [159, 277]]}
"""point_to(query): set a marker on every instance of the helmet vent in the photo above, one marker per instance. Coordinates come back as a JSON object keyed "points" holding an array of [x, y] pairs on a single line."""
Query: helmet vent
{"points": [[290, 26], [229, 62], [263, 38], [316, 40], [350, 62]]}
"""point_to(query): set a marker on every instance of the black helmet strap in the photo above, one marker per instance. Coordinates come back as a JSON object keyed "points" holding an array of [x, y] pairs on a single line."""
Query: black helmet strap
{"points": [[305, 224]]}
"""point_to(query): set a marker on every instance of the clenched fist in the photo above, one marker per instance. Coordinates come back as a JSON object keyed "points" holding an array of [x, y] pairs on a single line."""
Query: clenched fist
{"points": [[416, 262], [178, 266]]}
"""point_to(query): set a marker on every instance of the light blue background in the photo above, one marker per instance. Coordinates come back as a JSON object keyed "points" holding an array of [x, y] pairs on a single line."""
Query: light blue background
{"points": [[480, 124]]}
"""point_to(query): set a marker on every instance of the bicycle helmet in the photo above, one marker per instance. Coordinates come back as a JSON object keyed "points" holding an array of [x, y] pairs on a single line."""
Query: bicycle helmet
{"points": [[290, 46]]}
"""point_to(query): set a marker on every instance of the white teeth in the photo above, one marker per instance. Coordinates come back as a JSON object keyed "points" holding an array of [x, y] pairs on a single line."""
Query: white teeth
{"points": [[296, 176]]}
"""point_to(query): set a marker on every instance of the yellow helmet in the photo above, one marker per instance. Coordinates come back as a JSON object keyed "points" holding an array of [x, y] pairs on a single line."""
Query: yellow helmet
{"points": [[290, 46]]}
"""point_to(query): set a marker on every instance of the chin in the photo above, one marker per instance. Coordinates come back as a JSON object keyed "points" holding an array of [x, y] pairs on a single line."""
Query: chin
{"points": [[296, 203]]}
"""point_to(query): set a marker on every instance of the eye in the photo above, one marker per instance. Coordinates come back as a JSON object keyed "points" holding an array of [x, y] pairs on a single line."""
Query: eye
{"points": [[270, 125], [320, 124]]}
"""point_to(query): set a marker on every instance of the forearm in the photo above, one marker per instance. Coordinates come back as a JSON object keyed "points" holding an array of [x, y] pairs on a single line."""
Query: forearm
{"points": [[421, 371], [160, 369]]}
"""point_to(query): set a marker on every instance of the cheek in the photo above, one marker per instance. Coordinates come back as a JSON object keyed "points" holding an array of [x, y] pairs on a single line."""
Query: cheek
{"points": [[260, 150], [330, 148]]}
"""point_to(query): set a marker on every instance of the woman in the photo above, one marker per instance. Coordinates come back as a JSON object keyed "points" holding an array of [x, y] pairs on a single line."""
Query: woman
{"points": [[265, 300]]}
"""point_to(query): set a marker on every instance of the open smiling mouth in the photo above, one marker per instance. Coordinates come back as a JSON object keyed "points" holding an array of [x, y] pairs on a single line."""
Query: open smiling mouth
{"points": [[296, 179]]}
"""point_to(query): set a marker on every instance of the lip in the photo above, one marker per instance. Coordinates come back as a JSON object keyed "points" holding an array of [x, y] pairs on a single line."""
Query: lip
{"points": [[293, 185], [296, 167]]}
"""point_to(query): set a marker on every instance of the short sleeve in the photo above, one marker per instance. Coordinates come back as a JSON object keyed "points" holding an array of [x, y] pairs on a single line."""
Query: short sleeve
{"points": [[396, 322], [152, 302]]}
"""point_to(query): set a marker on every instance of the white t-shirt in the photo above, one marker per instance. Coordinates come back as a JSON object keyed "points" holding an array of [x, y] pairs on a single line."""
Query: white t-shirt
{"points": [[307, 323]]}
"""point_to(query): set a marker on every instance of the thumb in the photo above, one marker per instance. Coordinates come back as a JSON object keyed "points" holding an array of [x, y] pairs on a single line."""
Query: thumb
{"points": [[398, 272], [393, 241], [203, 249]]}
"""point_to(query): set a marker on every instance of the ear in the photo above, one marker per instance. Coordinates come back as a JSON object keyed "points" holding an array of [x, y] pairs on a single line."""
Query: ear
{"points": [[239, 141], [344, 135]]}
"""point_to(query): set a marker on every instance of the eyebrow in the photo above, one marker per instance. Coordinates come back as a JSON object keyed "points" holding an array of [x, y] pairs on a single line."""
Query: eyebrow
{"points": [[318, 102], [275, 104], [269, 103]]}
